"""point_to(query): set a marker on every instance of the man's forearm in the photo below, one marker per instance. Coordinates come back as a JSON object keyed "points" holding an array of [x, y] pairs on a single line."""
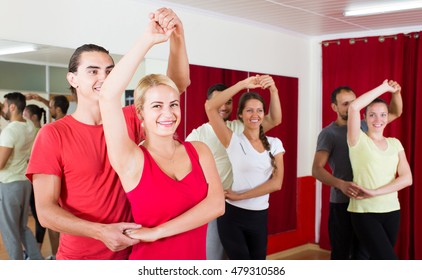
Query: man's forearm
{"points": [[396, 106], [178, 65], [326, 177], [274, 115]]}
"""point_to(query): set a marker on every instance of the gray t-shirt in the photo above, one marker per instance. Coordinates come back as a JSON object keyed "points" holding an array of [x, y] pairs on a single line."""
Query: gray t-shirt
{"points": [[333, 139]]}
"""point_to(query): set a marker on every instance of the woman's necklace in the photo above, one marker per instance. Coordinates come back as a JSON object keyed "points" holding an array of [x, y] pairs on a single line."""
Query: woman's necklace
{"points": [[171, 159]]}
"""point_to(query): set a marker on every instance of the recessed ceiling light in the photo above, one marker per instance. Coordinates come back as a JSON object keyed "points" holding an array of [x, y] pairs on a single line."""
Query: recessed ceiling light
{"points": [[18, 49], [383, 8]]}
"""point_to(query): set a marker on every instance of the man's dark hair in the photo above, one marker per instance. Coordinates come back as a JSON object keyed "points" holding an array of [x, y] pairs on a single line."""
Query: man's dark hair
{"points": [[337, 91], [18, 99], [216, 87], [62, 102]]}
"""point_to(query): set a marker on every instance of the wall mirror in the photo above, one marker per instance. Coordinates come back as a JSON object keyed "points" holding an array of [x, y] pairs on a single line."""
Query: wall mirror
{"points": [[44, 71], [282, 211]]}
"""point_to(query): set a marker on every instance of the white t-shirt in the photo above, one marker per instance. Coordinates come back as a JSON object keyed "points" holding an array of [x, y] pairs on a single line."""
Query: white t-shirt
{"points": [[205, 134], [19, 136], [251, 168]]}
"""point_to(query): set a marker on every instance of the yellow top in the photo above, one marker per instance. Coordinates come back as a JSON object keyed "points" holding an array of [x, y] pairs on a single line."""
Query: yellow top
{"points": [[373, 168]]}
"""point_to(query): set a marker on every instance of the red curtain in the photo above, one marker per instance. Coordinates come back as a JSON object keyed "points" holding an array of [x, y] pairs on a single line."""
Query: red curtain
{"points": [[282, 211], [202, 78], [362, 64]]}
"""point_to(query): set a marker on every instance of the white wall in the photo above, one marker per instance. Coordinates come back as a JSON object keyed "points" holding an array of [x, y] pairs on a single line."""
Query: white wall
{"points": [[211, 41]]}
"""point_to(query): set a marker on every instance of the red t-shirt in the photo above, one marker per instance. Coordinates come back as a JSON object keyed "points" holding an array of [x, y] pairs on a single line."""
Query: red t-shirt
{"points": [[90, 188]]}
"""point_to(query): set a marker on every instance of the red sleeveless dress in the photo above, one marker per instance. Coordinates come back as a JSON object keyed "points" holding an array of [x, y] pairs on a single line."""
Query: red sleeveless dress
{"points": [[159, 198]]}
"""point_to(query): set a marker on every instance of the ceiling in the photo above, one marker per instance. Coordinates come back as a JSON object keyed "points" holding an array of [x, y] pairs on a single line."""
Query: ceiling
{"points": [[305, 17], [44, 55], [49, 55]]}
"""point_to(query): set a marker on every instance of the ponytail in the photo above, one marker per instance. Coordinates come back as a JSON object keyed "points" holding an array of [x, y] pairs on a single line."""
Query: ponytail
{"points": [[267, 147]]}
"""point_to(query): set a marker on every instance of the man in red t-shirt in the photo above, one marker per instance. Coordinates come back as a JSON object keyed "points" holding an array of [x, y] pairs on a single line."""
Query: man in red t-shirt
{"points": [[77, 191]]}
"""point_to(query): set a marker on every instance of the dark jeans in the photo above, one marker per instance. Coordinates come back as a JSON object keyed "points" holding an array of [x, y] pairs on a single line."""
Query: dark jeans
{"points": [[344, 242], [378, 233], [39, 229], [243, 233]]}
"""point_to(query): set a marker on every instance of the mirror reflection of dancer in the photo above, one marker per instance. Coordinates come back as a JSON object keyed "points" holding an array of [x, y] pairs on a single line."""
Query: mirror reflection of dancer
{"points": [[38, 115], [205, 133], [257, 164], [380, 170], [15, 190]]}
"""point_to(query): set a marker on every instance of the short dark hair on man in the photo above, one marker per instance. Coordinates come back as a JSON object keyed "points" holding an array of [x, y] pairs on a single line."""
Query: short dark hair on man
{"points": [[61, 102], [18, 99], [337, 91], [216, 87]]}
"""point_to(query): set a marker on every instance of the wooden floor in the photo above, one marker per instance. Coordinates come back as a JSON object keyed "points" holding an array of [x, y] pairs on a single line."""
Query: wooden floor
{"points": [[304, 252]]}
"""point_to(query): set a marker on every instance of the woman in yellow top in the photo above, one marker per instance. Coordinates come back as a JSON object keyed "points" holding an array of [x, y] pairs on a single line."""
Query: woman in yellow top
{"points": [[380, 170]]}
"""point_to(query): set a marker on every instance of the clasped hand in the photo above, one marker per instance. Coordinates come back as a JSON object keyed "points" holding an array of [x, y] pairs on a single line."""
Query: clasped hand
{"points": [[259, 81], [391, 86], [143, 234], [162, 25]]}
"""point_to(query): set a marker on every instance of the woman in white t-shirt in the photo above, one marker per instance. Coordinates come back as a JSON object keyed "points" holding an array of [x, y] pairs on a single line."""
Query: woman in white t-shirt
{"points": [[258, 169]]}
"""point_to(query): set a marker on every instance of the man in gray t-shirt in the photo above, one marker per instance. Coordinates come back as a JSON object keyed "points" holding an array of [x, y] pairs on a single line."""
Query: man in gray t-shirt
{"points": [[332, 149]]}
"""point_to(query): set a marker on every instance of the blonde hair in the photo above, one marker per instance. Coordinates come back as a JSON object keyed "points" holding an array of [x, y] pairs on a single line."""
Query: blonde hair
{"points": [[148, 82]]}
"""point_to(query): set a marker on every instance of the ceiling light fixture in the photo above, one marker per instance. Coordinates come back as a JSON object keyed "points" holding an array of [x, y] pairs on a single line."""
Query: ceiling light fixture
{"points": [[383, 8], [18, 49]]}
